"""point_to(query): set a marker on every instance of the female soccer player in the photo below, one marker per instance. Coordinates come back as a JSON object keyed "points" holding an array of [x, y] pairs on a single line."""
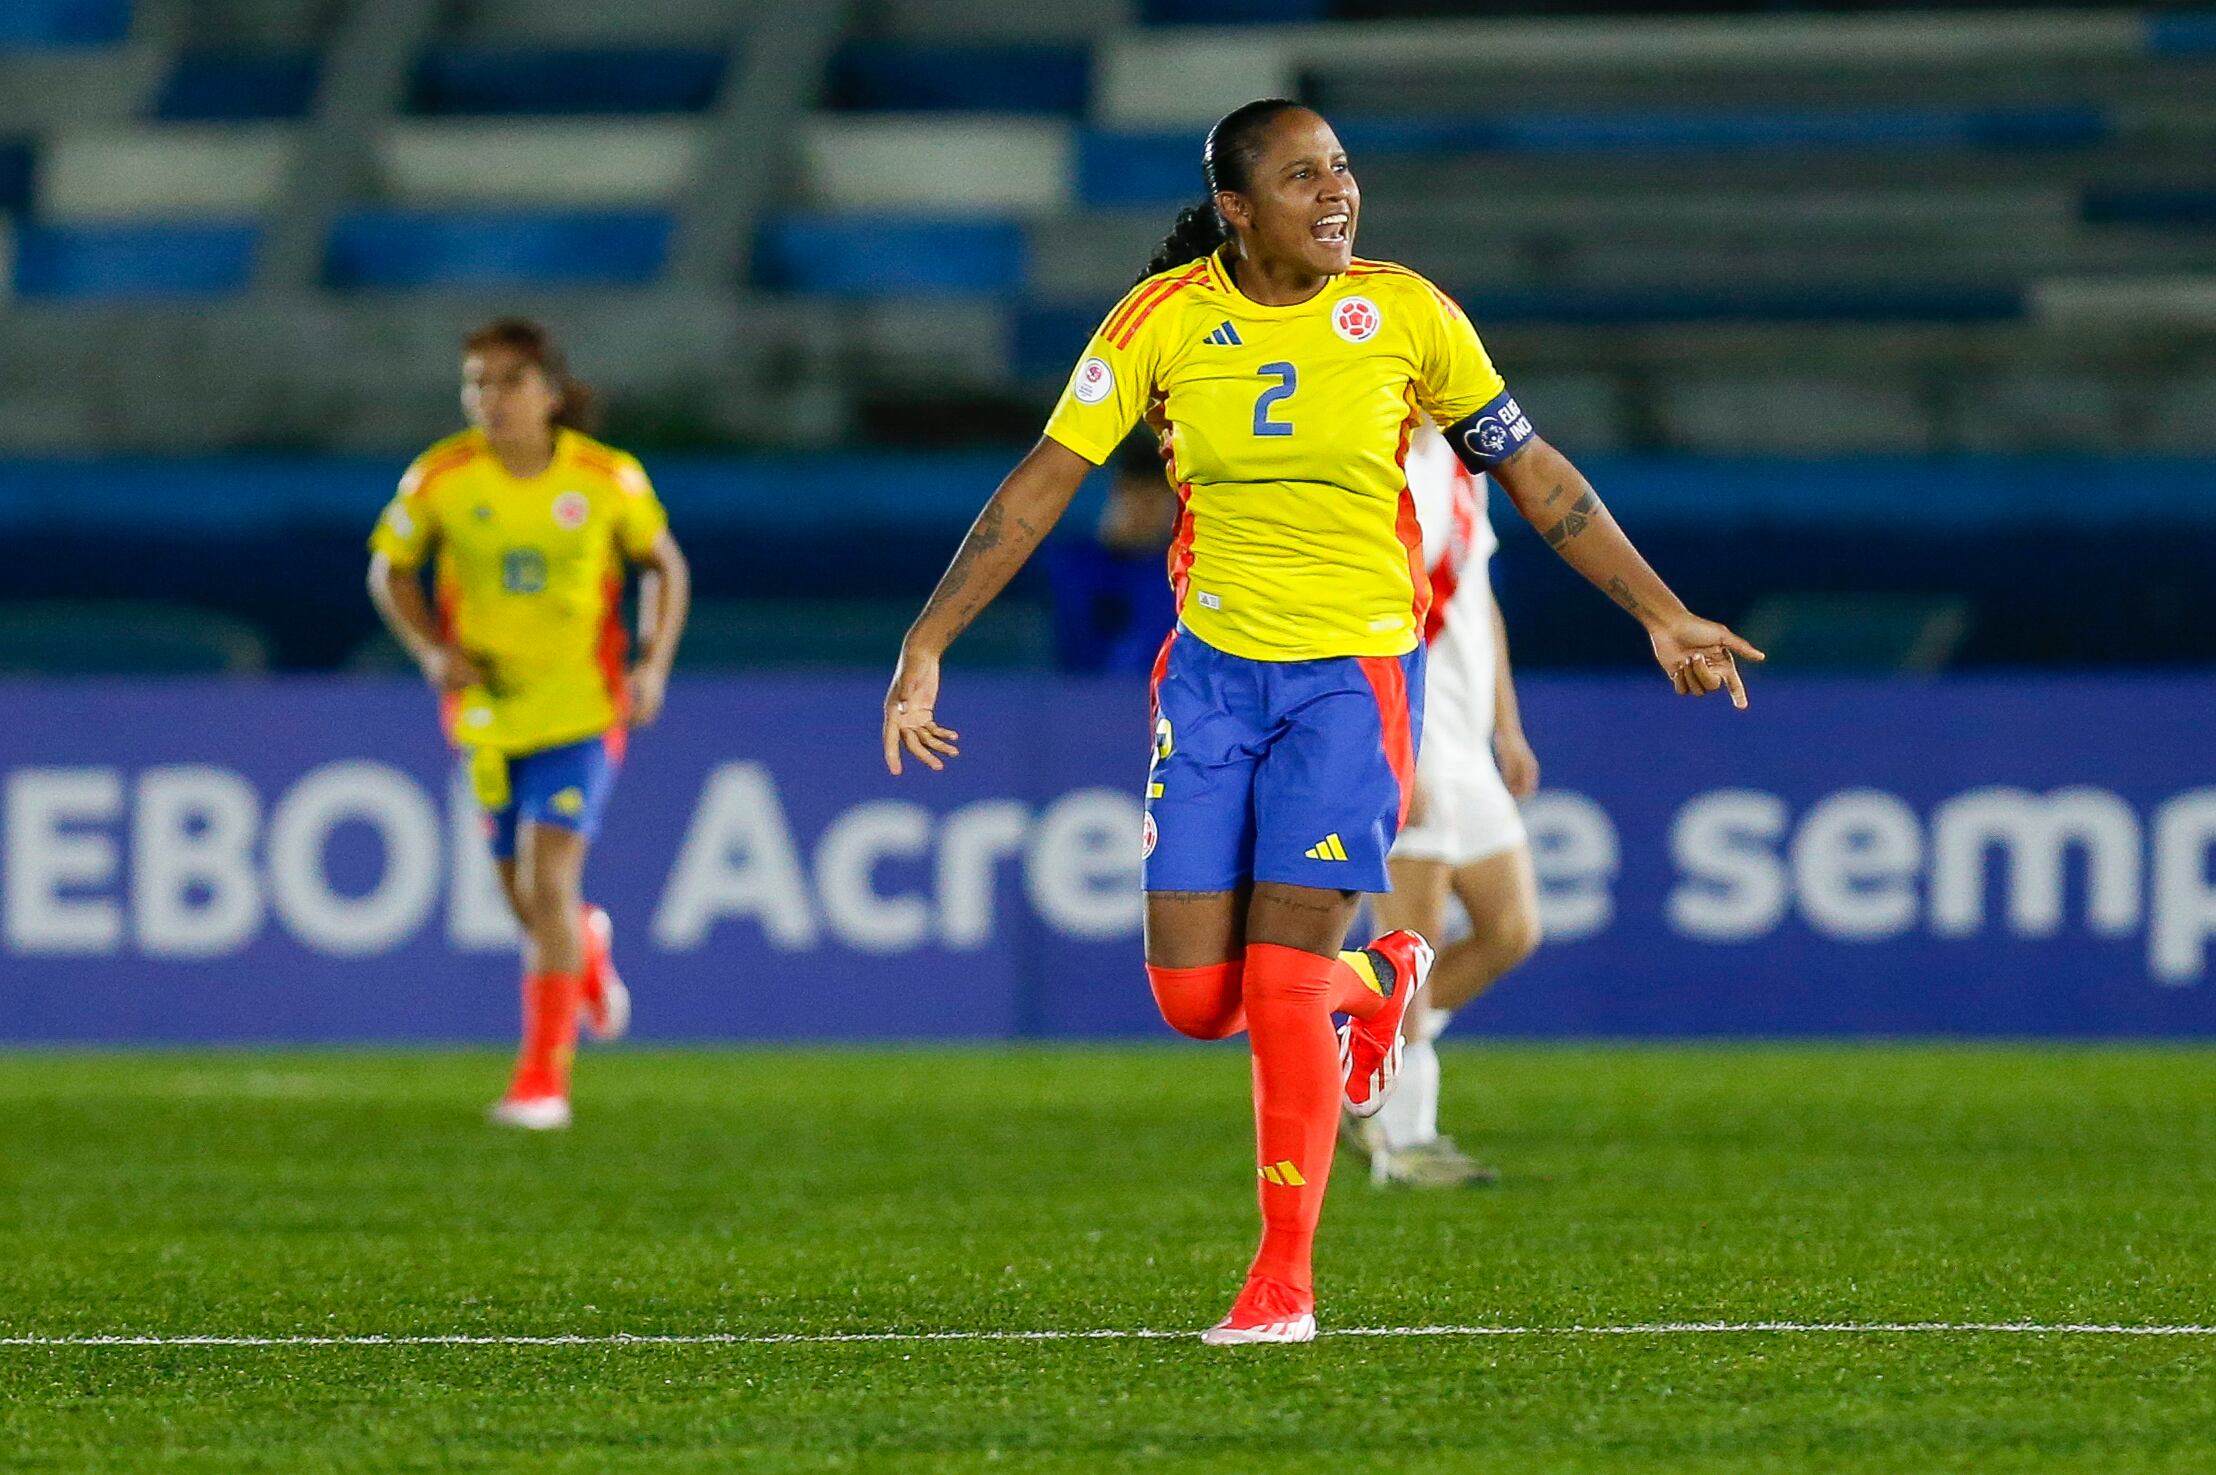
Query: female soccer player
{"points": [[532, 522], [1464, 833], [1290, 375]]}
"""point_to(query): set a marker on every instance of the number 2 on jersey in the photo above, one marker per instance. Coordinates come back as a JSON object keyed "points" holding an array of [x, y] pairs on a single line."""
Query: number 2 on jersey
{"points": [[1288, 380]]}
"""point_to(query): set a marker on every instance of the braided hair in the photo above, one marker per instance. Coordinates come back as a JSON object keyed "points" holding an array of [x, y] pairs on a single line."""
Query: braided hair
{"points": [[1226, 163]]}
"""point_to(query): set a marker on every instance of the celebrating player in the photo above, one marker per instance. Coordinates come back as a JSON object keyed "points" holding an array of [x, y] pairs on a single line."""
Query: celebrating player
{"points": [[1288, 700], [532, 522], [1463, 831]]}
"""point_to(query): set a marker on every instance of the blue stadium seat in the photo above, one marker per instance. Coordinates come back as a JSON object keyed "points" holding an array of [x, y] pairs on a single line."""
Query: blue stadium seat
{"points": [[874, 256], [18, 175], [2177, 208], [225, 86], [380, 247], [496, 81], [169, 260], [31, 23], [2187, 33], [885, 76]]}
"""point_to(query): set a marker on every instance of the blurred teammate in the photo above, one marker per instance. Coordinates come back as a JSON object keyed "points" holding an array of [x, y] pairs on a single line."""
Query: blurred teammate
{"points": [[532, 523], [1111, 603], [1463, 832], [1290, 375]]}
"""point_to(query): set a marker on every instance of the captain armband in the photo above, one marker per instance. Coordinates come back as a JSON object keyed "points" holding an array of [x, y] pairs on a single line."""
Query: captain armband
{"points": [[1492, 435]]}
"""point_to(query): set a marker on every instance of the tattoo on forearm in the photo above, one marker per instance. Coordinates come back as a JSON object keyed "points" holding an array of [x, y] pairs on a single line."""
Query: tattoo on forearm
{"points": [[1619, 591], [1553, 496], [1575, 521], [954, 597]]}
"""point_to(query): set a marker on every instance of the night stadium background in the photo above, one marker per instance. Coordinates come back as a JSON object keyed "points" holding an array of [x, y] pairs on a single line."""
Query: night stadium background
{"points": [[1877, 1012]]}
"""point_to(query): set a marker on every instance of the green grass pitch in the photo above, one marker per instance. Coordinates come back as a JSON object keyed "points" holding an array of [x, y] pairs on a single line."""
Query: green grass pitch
{"points": [[815, 1193]]}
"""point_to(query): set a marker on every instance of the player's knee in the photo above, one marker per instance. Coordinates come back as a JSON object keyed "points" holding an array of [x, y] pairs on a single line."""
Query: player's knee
{"points": [[1518, 935], [1201, 1003]]}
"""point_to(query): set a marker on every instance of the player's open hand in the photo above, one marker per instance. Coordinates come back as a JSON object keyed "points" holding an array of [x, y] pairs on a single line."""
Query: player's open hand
{"points": [[909, 724], [449, 668], [1700, 656], [1519, 766], [649, 688]]}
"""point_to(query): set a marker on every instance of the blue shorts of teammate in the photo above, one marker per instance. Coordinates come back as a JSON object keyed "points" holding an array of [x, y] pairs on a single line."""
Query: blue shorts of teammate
{"points": [[566, 787], [1292, 771]]}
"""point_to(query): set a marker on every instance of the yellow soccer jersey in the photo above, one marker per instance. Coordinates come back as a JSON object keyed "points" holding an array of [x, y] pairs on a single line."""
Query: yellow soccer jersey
{"points": [[1290, 430], [529, 581]]}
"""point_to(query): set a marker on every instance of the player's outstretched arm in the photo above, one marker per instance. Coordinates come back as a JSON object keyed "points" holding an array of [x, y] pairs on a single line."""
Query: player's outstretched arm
{"points": [[1699, 656], [1021, 513]]}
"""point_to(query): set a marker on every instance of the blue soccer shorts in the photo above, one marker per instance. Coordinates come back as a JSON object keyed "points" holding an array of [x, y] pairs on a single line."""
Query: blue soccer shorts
{"points": [[1292, 771], [566, 787]]}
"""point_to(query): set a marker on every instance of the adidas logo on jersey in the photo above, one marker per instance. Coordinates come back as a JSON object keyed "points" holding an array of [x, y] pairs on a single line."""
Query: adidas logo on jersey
{"points": [[1226, 336], [1329, 849]]}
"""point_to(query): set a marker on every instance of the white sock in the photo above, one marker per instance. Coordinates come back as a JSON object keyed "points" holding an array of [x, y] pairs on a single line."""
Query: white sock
{"points": [[1411, 1114]]}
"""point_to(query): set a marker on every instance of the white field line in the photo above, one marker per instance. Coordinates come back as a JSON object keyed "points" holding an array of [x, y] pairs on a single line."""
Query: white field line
{"points": [[789, 1339]]}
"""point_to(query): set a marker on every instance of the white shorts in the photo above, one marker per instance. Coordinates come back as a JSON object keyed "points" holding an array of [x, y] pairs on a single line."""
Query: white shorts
{"points": [[1467, 813]]}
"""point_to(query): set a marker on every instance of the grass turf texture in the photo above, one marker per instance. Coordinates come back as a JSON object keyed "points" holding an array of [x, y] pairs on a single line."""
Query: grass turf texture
{"points": [[322, 1194]]}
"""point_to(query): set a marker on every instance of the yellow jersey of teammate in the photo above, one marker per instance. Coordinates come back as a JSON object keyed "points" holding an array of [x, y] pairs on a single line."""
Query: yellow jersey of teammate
{"points": [[1289, 428], [529, 581]]}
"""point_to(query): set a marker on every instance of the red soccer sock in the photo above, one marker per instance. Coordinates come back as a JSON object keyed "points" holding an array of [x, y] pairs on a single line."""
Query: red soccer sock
{"points": [[1289, 998], [1205, 1003], [550, 1003]]}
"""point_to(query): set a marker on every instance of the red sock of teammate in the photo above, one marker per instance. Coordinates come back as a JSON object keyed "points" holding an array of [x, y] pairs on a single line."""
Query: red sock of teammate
{"points": [[550, 1003], [1289, 998], [1205, 1003]]}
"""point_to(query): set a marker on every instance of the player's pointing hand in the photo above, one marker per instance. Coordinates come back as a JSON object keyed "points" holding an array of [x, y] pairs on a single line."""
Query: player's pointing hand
{"points": [[908, 721], [1700, 656]]}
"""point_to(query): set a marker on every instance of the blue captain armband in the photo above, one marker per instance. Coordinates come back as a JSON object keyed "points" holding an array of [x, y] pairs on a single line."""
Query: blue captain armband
{"points": [[1493, 435]]}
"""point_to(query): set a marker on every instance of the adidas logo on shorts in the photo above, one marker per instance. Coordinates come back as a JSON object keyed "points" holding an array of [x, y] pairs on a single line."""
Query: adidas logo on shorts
{"points": [[1330, 848]]}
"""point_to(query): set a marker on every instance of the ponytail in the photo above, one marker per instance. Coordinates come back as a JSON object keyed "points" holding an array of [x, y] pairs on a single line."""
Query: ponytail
{"points": [[1199, 232]]}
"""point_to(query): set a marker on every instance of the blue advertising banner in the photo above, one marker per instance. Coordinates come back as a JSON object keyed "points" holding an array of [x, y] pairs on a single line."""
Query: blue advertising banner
{"points": [[293, 860]]}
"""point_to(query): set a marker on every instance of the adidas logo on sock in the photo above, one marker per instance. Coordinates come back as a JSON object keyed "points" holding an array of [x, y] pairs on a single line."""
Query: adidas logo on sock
{"points": [[1329, 848], [1284, 1174], [1226, 336]]}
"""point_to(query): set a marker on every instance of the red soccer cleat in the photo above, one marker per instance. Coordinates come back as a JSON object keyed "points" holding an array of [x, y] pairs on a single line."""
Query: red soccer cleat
{"points": [[1369, 1049], [1266, 1311], [607, 1003]]}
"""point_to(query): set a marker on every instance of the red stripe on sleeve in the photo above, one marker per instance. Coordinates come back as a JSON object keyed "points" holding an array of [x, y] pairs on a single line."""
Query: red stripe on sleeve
{"points": [[1131, 330]]}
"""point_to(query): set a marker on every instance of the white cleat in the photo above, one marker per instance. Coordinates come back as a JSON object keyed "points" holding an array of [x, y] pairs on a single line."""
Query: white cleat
{"points": [[1301, 1328], [609, 1016], [537, 1114]]}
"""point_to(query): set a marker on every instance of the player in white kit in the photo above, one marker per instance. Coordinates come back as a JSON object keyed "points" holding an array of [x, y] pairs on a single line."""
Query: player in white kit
{"points": [[1464, 838]]}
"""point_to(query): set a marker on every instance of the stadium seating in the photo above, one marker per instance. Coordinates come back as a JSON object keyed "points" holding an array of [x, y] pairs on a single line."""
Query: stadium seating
{"points": [[1675, 228]]}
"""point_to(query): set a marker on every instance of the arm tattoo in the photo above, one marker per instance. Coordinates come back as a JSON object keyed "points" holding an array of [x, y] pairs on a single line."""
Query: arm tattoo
{"points": [[1575, 521], [953, 592], [1619, 591], [1553, 496]]}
